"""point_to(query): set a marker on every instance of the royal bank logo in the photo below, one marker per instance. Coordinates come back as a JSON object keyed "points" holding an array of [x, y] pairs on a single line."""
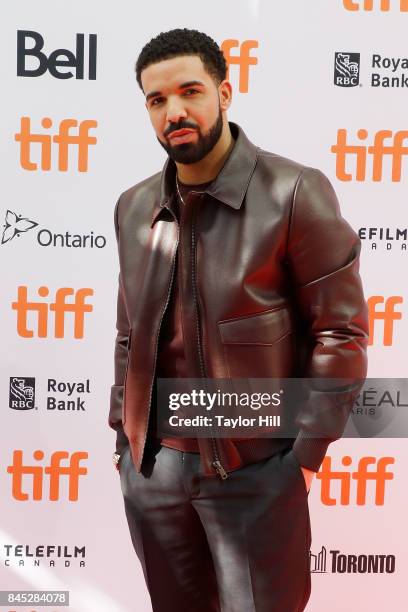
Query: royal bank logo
{"points": [[336, 562], [346, 69], [22, 393], [382, 71], [15, 225], [62, 395]]}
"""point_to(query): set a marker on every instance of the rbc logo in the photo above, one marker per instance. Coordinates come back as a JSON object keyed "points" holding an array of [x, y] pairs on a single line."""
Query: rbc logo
{"points": [[57, 60], [22, 393], [346, 69]]}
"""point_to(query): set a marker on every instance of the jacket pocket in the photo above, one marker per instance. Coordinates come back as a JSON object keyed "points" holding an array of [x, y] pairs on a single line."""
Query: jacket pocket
{"points": [[265, 327], [258, 345]]}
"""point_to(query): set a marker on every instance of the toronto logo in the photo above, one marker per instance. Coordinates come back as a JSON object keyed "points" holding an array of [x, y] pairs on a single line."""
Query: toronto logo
{"points": [[15, 225], [346, 69]]}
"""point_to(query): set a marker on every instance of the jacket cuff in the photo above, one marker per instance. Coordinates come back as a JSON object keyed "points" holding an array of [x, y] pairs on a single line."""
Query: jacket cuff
{"points": [[121, 440], [310, 451]]}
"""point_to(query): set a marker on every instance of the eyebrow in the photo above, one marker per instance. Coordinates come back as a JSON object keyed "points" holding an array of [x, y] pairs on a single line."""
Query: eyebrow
{"points": [[153, 94]]}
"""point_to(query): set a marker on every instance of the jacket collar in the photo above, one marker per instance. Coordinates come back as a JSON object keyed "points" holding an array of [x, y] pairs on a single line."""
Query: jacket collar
{"points": [[231, 183]]}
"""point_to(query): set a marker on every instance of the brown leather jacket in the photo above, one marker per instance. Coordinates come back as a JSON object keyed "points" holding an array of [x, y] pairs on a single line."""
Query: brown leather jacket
{"points": [[269, 287]]}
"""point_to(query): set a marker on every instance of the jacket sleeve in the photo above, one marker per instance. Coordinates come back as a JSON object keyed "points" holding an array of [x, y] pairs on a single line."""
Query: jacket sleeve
{"points": [[323, 255], [122, 345]]}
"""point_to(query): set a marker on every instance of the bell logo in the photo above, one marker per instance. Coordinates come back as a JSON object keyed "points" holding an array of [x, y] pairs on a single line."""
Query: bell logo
{"points": [[60, 307], [55, 470], [243, 59], [386, 314], [378, 150], [361, 476], [57, 60], [64, 139], [368, 5]]}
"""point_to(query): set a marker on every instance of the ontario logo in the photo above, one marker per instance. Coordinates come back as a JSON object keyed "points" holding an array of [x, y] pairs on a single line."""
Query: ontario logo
{"points": [[346, 69], [22, 393], [15, 225]]}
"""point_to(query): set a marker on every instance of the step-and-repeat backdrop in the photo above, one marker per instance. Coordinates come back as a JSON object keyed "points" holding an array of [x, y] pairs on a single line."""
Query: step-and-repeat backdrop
{"points": [[322, 82]]}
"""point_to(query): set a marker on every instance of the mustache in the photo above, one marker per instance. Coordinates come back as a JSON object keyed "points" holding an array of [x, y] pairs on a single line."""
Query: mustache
{"points": [[181, 125]]}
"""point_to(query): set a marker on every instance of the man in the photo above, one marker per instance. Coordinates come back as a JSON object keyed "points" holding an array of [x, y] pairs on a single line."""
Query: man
{"points": [[234, 263]]}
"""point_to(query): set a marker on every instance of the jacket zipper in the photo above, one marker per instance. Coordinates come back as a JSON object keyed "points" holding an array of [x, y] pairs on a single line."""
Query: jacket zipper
{"points": [[158, 333], [216, 463]]}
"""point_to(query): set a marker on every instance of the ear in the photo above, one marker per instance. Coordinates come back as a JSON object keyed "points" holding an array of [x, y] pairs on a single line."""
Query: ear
{"points": [[225, 93]]}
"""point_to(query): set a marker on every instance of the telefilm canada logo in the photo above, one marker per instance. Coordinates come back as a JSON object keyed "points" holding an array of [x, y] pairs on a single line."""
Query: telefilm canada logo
{"points": [[61, 395], [336, 562], [384, 238], [49, 555], [15, 225], [346, 69]]}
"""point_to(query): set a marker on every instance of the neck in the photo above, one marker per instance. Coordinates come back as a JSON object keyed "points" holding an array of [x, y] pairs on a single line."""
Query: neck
{"points": [[207, 168]]}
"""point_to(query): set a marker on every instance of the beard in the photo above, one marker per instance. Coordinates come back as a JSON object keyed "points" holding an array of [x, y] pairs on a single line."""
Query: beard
{"points": [[190, 152]]}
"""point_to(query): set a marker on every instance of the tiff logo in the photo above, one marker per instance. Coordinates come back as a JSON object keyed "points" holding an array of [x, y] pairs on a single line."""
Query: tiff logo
{"points": [[30, 45], [395, 150], [387, 314], [243, 59], [361, 476], [368, 5], [55, 470], [63, 139], [60, 307]]}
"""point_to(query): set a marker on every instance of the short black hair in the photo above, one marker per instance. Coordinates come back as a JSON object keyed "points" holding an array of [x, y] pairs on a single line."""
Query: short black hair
{"points": [[183, 41]]}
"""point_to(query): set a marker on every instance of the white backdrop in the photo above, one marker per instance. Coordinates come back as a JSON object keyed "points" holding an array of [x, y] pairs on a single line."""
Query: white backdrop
{"points": [[292, 107]]}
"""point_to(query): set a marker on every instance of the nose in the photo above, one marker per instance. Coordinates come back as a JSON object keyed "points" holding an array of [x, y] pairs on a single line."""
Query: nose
{"points": [[175, 110]]}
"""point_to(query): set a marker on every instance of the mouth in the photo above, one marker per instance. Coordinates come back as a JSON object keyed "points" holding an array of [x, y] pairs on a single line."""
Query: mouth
{"points": [[181, 136]]}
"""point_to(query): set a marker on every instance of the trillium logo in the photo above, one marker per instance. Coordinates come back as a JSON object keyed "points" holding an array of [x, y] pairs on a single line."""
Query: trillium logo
{"points": [[15, 225]]}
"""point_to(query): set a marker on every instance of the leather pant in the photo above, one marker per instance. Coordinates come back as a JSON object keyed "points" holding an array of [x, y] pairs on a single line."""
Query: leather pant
{"points": [[211, 545]]}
